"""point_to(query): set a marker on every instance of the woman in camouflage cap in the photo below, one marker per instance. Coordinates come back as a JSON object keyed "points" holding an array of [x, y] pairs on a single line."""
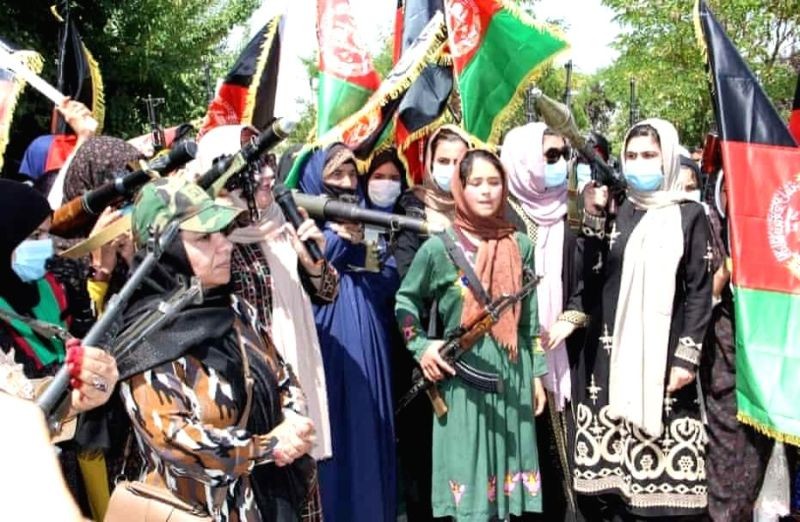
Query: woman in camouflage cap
{"points": [[219, 443]]}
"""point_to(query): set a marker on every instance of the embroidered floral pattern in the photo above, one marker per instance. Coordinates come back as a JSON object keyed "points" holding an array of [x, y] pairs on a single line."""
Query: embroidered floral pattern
{"points": [[511, 482], [458, 491], [532, 482], [492, 489]]}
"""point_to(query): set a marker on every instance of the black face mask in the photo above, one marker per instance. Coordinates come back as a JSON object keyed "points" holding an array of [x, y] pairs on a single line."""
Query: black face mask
{"points": [[343, 194]]}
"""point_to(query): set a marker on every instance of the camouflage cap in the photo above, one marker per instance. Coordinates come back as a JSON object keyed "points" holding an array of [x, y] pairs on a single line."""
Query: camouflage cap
{"points": [[165, 199]]}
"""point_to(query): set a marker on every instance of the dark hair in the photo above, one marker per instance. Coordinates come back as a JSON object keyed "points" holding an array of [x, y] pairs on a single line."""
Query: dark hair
{"points": [[465, 167], [550, 132], [446, 135], [642, 130]]}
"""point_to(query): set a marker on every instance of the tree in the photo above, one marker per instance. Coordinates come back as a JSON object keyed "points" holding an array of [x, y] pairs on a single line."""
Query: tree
{"points": [[660, 50], [156, 47]]}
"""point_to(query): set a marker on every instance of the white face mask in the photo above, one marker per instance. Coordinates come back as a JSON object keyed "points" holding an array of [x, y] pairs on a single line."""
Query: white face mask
{"points": [[443, 175], [383, 193]]}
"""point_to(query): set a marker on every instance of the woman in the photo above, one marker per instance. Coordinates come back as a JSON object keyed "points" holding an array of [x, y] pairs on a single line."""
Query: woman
{"points": [[385, 180], [272, 270], [432, 200], [358, 483], [536, 161], [640, 442], [217, 415], [28, 289], [485, 464]]}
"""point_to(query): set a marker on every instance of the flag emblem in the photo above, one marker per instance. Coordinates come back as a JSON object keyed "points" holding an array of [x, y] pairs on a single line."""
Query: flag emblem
{"points": [[783, 221], [345, 55]]}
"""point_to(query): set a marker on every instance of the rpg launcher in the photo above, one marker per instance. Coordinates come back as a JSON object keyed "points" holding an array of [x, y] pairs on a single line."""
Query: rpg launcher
{"points": [[559, 118], [462, 340], [80, 210], [375, 222]]}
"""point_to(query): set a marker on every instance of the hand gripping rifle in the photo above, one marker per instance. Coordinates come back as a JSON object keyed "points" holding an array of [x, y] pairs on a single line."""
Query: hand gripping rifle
{"points": [[462, 340], [228, 167], [81, 209], [52, 400]]}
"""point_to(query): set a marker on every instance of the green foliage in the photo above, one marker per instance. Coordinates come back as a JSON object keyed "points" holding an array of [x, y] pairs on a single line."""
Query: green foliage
{"points": [[155, 47], [659, 49]]}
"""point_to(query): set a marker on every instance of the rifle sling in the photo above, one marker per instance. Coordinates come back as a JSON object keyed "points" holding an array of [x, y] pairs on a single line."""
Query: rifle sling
{"points": [[460, 260]]}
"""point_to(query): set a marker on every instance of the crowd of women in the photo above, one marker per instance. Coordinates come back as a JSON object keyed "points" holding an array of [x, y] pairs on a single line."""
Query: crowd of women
{"points": [[274, 396]]}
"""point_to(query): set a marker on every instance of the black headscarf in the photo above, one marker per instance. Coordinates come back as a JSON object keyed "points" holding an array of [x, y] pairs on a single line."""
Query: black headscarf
{"points": [[22, 210], [206, 331]]}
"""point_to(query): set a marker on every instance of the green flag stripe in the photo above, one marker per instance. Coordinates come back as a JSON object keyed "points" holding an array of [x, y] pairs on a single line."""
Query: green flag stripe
{"points": [[337, 100], [510, 53], [768, 361]]}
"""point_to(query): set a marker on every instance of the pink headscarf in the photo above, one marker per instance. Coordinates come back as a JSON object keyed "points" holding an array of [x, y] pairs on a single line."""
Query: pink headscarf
{"points": [[523, 158]]}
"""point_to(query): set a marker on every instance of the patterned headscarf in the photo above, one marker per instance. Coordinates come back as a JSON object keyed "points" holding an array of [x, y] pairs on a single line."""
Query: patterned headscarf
{"points": [[96, 162]]}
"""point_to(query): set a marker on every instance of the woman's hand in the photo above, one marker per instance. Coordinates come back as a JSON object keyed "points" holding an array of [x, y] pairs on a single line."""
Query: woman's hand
{"points": [[539, 397], [350, 232], [678, 378], [104, 259], [558, 333], [595, 198], [79, 117], [432, 363], [296, 436], [93, 375], [308, 230]]}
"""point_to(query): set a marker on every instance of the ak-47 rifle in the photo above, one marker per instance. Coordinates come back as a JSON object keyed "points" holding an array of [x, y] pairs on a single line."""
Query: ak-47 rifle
{"points": [[236, 170], [461, 340], [159, 140], [51, 401]]}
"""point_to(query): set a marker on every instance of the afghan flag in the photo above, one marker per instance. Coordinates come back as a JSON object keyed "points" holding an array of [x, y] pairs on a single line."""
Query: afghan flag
{"points": [[363, 130], [794, 119], [247, 95], [346, 76], [424, 106], [11, 86], [366, 129], [78, 77], [762, 176], [497, 49]]}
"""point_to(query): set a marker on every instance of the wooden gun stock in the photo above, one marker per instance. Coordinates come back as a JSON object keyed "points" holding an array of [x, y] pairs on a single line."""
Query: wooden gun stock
{"points": [[69, 216]]}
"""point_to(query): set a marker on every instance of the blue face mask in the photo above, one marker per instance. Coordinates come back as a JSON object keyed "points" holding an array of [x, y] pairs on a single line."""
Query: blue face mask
{"points": [[555, 174], [29, 258], [644, 175], [584, 173], [443, 175]]}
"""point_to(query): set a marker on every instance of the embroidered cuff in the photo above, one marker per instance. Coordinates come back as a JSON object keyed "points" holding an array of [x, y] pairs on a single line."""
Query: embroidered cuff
{"points": [[575, 317], [329, 286], [594, 226], [688, 351]]}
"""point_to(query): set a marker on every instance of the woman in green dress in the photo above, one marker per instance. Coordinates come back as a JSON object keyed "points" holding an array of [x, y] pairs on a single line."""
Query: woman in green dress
{"points": [[485, 465]]}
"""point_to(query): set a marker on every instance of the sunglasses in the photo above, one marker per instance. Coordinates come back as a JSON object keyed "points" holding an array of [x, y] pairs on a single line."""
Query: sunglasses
{"points": [[552, 154]]}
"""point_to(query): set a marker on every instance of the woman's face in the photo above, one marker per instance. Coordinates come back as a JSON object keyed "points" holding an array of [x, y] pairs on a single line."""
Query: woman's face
{"points": [[264, 191], [387, 172], [553, 148], [449, 153], [643, 148], [687, 180], [209, 255], [483, 190], [344, 177]]}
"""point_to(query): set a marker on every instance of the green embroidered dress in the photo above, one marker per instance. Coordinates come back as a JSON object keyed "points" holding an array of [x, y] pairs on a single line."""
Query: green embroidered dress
{"points": [[485, 462]]}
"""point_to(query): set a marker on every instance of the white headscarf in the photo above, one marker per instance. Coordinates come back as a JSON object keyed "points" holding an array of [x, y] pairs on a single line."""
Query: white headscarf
{"points": [[671, 192]]}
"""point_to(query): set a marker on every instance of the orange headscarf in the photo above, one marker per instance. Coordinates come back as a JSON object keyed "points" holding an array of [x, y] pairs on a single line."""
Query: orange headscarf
{"points": [[499, 263]]}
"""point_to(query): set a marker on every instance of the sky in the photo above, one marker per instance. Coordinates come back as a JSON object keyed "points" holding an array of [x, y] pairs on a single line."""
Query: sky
{"points": [[590, 32]]}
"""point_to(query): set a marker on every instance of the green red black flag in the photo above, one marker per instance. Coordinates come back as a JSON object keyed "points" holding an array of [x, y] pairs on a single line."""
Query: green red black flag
{"points": [[424, 105], [762, 175], [247, 95]]}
